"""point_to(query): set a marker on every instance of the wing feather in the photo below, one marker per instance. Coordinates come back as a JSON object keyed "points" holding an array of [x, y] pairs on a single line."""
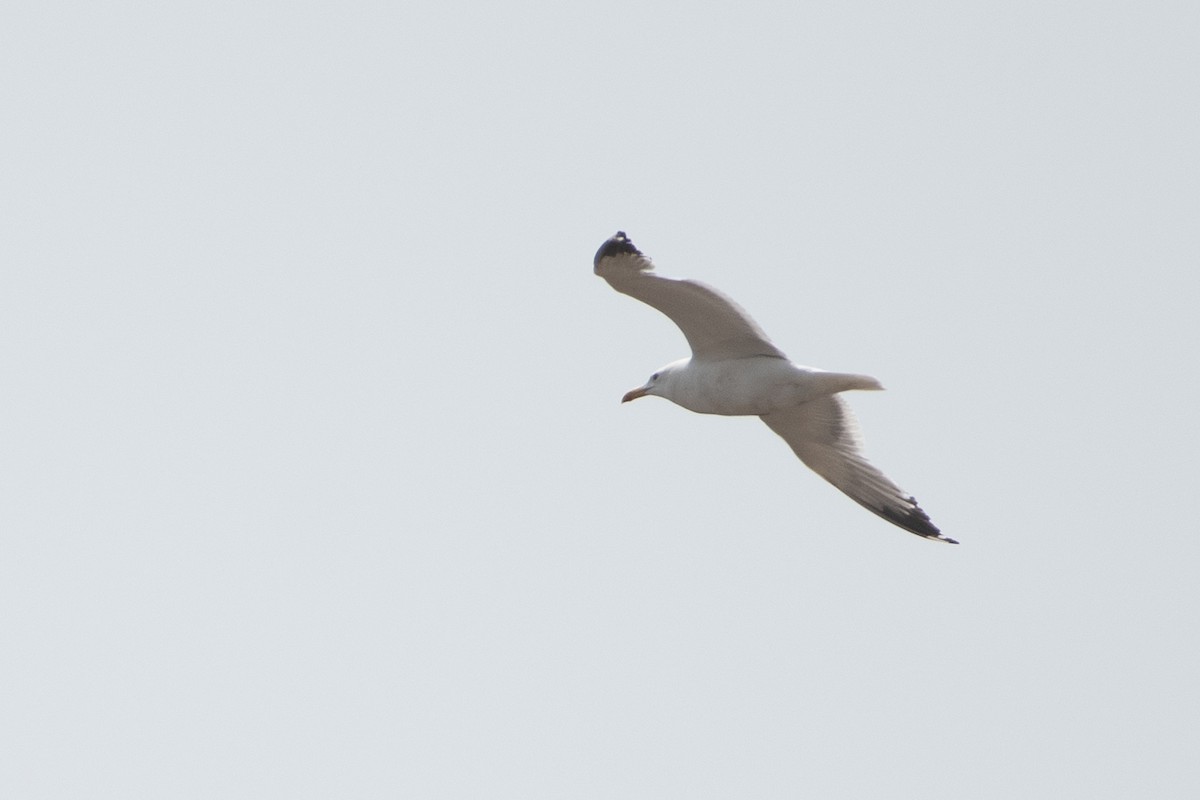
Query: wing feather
{"points": [[714, 325], [824, 435]]}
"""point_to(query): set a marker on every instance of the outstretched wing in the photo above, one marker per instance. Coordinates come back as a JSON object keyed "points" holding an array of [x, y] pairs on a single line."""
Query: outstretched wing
{"points": [[824, 434], [715, 326]]}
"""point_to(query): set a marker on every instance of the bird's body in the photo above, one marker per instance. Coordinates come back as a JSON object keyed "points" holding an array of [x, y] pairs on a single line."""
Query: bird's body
{"points": [[751, 386], [735, 370]]}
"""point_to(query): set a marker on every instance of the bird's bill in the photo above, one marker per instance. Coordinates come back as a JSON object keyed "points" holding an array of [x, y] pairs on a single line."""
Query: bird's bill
{"points": [[634, 394]]}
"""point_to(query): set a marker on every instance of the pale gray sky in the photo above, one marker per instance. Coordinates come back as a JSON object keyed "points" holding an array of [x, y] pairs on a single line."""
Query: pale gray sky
{"points": [[315, 482]]}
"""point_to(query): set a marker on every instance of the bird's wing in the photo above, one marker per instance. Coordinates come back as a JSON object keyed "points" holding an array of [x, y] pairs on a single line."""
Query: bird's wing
{"points": [[715, 326], [824, 434]]}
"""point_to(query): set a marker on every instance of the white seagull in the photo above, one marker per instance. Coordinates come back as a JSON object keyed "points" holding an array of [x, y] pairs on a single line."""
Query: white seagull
{"points": [[734, 370]]}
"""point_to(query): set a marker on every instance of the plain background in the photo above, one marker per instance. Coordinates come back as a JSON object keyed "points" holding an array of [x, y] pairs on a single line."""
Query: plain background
{"points": [[314, 478]]}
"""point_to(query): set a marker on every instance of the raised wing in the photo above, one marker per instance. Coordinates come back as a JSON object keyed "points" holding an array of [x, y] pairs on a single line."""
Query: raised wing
{"points": [[715, 326], [824, 434]]}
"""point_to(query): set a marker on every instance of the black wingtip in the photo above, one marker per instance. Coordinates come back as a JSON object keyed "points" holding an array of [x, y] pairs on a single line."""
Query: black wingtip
{"points": [[616, 244], [915, 520]]}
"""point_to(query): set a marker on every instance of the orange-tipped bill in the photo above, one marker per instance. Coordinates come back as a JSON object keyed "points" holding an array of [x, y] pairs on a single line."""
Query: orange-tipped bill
{"points": [[634, 394]]}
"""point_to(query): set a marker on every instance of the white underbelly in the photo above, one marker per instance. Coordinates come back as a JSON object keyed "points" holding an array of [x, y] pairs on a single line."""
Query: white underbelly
{"points": [[750, 386]]}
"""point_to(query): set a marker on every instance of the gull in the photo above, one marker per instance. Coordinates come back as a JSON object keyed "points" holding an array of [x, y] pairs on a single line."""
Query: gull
{"points": [[735, 370]]}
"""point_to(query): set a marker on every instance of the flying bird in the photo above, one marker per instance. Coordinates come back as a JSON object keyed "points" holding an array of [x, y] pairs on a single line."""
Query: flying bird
{"points": [[735, 370]]}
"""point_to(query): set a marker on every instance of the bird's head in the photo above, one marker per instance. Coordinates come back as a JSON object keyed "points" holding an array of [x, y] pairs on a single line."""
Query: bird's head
{"points": [[660, 383]]}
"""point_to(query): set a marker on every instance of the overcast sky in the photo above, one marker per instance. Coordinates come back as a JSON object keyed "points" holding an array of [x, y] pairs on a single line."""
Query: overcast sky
{"points": [[314, 481]]}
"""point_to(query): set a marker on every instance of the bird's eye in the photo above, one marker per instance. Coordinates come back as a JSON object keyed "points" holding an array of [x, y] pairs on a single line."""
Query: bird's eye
{"points": [[654, 377]]}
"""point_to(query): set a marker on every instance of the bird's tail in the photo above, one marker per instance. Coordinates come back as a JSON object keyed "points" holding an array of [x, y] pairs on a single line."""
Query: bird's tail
{"points": [[844, 382]]}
